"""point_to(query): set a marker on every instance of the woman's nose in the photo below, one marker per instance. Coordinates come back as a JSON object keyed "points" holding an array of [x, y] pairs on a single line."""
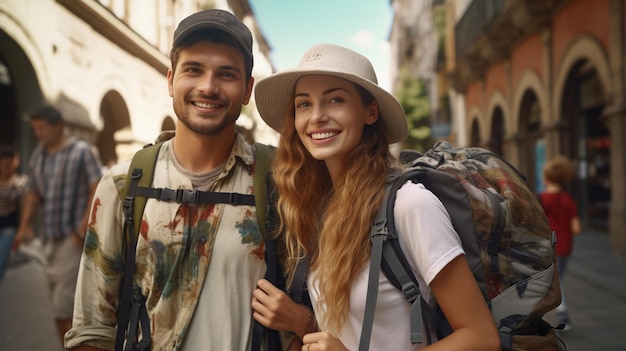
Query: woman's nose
{"points": [[319, 115]]}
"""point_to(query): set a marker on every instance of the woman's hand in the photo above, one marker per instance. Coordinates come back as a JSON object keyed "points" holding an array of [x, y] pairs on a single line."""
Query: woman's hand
{"points": [[276, 310], [321, 341]]}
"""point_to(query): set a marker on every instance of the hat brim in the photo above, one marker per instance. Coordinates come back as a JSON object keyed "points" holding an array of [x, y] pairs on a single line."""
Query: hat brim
{"points": [[274, 96]]}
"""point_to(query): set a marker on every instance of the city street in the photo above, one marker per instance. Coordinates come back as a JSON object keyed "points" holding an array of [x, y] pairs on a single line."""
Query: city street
{"points": [[595, 286]]}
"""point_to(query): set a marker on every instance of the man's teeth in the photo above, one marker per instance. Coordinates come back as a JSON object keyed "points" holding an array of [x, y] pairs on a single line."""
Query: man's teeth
{"points": [[200, 104], [326, 135]]}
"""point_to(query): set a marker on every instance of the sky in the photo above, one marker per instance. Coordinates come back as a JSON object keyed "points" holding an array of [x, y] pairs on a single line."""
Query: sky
{"points": [[293, 26]]}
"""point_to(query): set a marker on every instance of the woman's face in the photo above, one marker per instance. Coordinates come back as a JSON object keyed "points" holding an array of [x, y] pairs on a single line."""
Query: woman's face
{"points": [[330, 117]]}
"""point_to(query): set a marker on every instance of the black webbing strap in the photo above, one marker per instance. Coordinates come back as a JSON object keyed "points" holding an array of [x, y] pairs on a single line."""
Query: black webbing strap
{"points": [[378, 236], [140, 173], [266, 215], [195, 196], [138, 312], [409, 289], [506, 341], [298, 286], [128, 307], [397, 269]]}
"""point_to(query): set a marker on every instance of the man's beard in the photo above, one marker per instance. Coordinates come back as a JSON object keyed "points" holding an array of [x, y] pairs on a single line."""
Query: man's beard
{"points": [[208, 129]]}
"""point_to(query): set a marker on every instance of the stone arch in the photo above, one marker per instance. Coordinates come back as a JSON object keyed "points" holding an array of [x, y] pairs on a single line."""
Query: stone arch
{"points": [[115, 117], [587, 48], [17, 33], [530, 80], [475, 116], [497, 100]]}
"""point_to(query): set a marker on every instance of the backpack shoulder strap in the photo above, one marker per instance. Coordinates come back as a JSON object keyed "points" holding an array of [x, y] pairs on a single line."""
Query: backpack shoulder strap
{"points": [[378, 233], [386, 254], [142, 169], [265, 198], [132, 310], [263, 159], [394, 263]]}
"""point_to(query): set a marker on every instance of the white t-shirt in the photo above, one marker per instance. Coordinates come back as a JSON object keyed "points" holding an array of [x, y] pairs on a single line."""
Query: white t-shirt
{"points": [[420, 218]]}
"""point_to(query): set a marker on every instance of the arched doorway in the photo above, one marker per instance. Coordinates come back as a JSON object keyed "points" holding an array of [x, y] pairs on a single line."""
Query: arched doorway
{"points": [[115, 117], [585, 138], [531, 142], [475, 134], [8, 106], [17, 99]]}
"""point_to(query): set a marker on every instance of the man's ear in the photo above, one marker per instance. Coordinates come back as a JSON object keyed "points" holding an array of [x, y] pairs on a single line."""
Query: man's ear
{"points": [[170, 82]]}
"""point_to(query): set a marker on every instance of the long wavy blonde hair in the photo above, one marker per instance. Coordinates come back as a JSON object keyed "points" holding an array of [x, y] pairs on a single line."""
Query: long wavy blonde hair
{"points": [[330, 224]]}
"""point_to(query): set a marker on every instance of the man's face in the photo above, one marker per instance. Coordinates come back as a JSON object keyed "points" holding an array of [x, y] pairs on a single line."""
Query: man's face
{"points": [[208, 87], [48, 134]]}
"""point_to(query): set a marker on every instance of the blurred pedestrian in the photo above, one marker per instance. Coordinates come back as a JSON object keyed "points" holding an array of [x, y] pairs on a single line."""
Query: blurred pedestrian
{"points": [[12, 188], [562, 213], [63, 175]]}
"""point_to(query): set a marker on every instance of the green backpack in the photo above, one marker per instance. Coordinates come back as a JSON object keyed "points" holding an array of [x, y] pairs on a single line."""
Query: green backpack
{"points": [[132, 313]]}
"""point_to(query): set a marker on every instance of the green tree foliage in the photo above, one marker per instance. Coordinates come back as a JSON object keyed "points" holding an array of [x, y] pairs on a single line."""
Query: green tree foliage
{"points": [[412, 94]]}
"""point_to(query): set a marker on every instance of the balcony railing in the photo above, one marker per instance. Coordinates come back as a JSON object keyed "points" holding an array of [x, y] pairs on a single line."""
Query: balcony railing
{"points": [[477, 17]]}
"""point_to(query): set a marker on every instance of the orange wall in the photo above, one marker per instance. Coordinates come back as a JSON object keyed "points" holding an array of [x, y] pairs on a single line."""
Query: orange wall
{"points": [[580, 17], [472, 98], [496, 81], [528, 55]]}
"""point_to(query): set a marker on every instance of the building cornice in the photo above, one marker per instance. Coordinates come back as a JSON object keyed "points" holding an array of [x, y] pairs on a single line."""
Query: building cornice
{"points": [[508, 24], [108, 25]]}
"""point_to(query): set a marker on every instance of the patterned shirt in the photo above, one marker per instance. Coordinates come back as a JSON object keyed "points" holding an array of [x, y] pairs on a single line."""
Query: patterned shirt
{"points": [[62, 179], [182, 250]]}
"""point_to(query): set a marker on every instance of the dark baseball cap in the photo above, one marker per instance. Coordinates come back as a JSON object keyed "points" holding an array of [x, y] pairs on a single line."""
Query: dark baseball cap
{"points": [[216, 19]]}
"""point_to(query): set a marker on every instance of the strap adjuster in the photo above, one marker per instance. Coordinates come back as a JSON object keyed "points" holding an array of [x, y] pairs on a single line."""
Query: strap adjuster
{"points": [[379, 227], [187, 196]]}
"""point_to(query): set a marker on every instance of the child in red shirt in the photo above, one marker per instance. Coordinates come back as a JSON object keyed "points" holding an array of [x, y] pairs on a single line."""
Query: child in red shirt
{"points": [[562, 213]]}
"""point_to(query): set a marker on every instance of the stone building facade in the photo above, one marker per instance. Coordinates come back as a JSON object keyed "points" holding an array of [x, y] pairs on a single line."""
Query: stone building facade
{"points": [[541, 78], [104, 65]]}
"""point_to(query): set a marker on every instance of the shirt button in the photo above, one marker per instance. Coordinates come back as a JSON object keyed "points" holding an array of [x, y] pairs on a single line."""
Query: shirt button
{"points": [[202, 239]]}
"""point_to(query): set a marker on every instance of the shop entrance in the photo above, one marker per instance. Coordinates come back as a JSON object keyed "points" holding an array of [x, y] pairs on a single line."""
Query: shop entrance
{"points": [[586, 139]]}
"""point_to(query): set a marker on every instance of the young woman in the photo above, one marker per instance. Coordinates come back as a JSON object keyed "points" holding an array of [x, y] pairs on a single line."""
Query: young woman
{"points": [[332, 162]]}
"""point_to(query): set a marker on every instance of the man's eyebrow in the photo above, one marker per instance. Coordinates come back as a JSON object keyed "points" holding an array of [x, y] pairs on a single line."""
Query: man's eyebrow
{"points": [[222, 67]]}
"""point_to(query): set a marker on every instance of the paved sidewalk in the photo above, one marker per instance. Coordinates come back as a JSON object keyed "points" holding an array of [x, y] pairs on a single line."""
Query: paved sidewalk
{"points": [[595, 291], [595, 285], [26, 320]]}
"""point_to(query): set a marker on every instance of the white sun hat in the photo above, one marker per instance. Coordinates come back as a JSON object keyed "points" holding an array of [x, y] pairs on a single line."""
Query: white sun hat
{"points": [[274, 94]]}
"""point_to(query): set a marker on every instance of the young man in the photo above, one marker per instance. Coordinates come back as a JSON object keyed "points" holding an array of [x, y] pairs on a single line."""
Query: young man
{"points": [[197, 264], [63, 175]]}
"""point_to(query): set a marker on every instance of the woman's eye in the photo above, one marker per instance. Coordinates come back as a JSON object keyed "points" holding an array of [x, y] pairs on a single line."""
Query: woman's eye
{"points": [[302, 104]]}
